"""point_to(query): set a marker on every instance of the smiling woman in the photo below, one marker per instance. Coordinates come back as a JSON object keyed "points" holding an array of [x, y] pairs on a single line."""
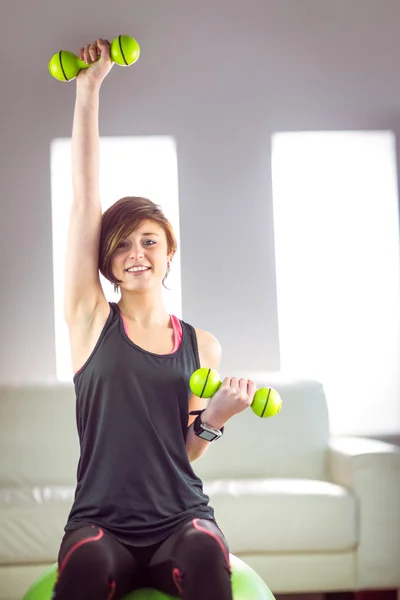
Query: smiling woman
{"points": [[135, 225], [131, 162], [147, 522]]}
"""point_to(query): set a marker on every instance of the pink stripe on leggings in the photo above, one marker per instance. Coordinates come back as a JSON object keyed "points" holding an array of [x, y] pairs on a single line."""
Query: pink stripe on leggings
{"points": [[177, 574], [204, 530], [112, 590], [77, 545], [177, 577], [95, 538]]}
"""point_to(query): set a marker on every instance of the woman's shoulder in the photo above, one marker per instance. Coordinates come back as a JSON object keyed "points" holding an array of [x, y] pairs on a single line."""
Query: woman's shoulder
{"points": [[209, 347]]}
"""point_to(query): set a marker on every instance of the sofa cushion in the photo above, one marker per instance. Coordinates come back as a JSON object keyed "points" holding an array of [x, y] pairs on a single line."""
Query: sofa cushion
{"points": [[39, 442], [32, 523], [284, 515], [38, 437], [256, 515], [292, 444]]}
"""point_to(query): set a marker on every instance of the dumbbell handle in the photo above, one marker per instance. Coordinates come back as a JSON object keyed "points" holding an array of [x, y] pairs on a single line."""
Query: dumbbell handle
{"points": [[83, 65], [266, 401]]}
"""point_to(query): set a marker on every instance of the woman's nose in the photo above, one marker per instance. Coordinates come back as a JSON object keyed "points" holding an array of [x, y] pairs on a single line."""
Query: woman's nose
{"points": [[136, 251]]}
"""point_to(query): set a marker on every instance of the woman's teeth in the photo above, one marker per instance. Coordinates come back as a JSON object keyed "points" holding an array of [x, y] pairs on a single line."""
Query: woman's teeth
{"points": [[135, 269]]}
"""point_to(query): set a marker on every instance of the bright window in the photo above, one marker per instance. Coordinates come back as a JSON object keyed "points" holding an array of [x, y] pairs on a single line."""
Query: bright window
{"points": [[129, 166], [336, 225]]}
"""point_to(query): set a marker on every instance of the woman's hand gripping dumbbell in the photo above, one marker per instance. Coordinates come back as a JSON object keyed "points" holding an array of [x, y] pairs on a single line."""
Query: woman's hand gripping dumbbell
{"points": [[65, 66], [265, 402]]}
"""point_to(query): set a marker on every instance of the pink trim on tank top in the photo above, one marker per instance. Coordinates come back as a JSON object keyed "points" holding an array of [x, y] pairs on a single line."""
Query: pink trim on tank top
{"points": [[176, 327]]}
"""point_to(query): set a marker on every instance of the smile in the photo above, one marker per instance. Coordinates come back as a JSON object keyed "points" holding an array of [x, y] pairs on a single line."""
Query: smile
{"points": [[137, 270]]}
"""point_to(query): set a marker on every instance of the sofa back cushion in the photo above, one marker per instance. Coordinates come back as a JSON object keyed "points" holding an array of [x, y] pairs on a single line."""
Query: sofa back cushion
{"points": [[290, 444], [39, 443]]}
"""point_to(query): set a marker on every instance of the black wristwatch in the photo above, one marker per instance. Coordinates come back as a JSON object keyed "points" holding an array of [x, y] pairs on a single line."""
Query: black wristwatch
{"points": [[203, 430]]}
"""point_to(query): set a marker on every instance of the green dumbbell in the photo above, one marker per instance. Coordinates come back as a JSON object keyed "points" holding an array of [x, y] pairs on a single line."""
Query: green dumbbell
{"points": [[65, 65], [204, 383]]}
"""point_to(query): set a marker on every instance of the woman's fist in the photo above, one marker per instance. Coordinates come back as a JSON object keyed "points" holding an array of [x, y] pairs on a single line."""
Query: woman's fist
{"points": [[233, 396], [98, 53]]}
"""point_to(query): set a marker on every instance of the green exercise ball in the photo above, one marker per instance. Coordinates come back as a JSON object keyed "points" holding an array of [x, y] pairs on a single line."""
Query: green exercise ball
{"points": [[246, 585]]}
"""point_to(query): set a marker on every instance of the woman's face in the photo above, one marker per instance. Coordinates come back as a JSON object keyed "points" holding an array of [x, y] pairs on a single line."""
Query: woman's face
{"points": [[140, 261]]}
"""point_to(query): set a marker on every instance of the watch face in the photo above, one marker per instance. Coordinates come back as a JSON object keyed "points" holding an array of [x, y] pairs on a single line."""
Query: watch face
{"points": [[205, 431], [208, 435]]}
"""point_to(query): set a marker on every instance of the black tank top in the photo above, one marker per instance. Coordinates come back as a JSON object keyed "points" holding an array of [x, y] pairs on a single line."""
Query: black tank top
{"points": [[134, 476]]}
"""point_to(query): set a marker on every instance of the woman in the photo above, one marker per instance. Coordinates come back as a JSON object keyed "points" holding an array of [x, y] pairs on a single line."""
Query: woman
{"points": [[140, 516]]}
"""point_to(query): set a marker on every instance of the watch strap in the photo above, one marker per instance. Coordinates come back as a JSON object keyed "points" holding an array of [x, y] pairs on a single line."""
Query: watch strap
{"points": [[197, 422]]}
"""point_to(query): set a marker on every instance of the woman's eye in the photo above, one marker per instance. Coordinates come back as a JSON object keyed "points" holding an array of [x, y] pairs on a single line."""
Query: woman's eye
{"points": [[122, 245], [149, 242]]}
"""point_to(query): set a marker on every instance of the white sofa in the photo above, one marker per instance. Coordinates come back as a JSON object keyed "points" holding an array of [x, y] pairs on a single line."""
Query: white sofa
{"points": [[310, 513]]}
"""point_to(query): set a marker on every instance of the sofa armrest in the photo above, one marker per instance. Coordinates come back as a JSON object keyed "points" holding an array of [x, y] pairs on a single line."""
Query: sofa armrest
{"points": [[371, 470]]}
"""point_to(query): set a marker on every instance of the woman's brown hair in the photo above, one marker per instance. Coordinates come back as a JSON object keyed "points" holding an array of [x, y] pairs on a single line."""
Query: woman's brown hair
{"points": [[118, 222]]}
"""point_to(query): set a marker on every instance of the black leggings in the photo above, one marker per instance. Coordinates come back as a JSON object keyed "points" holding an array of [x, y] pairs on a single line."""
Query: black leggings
{"points": [[192, 563]]}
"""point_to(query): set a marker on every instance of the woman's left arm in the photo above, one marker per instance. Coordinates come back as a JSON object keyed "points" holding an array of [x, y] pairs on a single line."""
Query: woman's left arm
{"points": [[210, 357], [233, 396]]}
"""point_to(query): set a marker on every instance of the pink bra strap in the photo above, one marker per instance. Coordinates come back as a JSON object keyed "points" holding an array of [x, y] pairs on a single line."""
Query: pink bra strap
{"points": [[176, 326]]}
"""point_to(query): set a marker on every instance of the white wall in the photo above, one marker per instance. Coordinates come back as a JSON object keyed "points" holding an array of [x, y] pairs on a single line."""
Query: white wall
{"points": [[221, 76]]}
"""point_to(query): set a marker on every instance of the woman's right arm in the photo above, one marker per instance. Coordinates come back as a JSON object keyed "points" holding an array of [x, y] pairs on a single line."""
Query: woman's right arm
{"points": [[83, 290]]}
